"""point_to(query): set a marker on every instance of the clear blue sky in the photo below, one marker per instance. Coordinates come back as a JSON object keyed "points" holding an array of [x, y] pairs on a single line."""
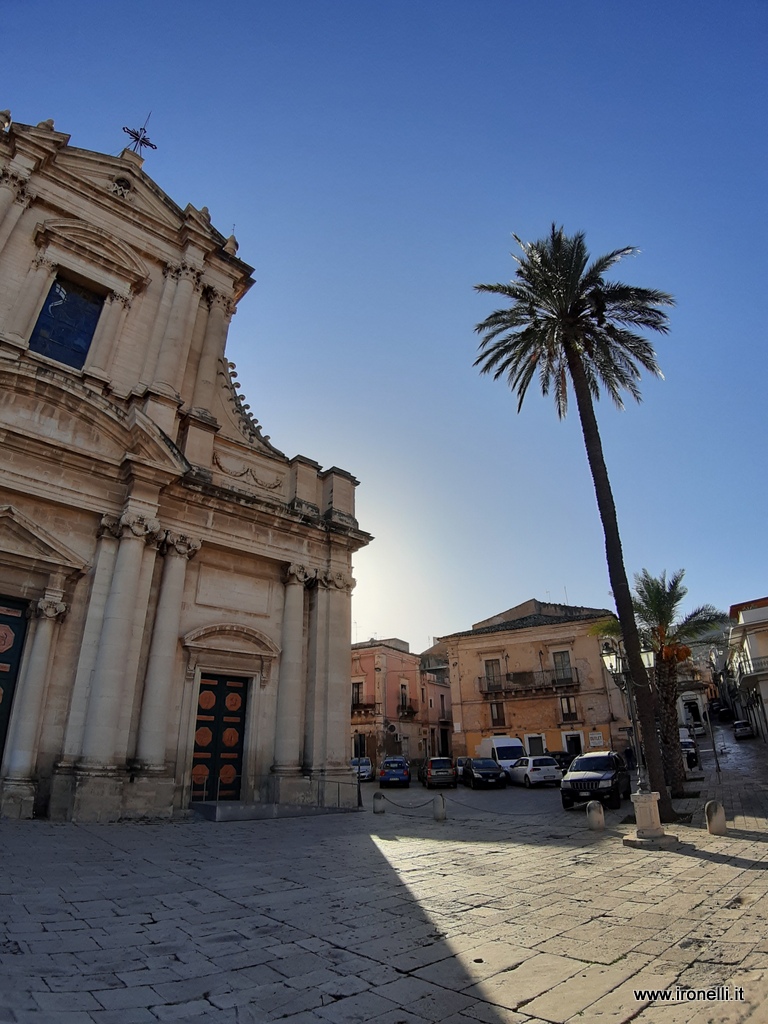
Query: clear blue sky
{"points": [[375, 159]]}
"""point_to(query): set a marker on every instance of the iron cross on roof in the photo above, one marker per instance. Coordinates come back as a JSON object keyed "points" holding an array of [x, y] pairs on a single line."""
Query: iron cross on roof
{"points": [[140, 137]]}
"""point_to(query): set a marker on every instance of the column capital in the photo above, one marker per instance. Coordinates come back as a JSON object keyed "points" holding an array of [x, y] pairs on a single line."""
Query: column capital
{"points": [[17, 184], [42, 261], [180, 544], [336, 581], [139, 525], [50, 608], [295, 573], [218, 300]]}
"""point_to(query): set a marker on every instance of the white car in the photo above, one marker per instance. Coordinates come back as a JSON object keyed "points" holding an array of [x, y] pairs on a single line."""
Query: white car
{"points": [[742, 729], [535, 771]]}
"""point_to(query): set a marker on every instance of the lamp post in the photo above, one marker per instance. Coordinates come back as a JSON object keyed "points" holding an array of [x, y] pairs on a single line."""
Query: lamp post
{"points": [[614, 658], [650, 833]]}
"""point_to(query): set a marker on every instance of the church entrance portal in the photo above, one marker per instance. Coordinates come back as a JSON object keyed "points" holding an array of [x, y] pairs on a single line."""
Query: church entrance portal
{"points": [[217, 763], [13, 627]]}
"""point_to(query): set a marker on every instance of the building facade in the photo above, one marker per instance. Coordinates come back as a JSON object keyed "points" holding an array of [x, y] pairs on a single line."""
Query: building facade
{"points": [[745, 676], [534, 672], [400, 702], [174, 590]]}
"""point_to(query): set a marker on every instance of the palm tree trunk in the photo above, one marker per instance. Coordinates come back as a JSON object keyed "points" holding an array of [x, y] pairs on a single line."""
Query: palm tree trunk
{"points": [[619, 583], [666, 689]]}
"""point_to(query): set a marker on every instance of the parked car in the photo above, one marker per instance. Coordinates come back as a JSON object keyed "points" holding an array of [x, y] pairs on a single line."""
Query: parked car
{"points": [[563, 758], [394, 771], [363, 767], [725, 715], [599, 775], [460, 766], [688, 748], [742, 729], [437, 771], [483, 771], [535, 771]]}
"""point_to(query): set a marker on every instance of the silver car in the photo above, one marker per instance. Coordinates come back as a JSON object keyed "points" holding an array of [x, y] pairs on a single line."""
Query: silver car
{"points": [[535, 771], [363, 767]]}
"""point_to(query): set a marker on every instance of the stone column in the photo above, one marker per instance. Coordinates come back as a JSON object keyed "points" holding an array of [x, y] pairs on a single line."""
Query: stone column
{"points": [[36, 285], [18, 788], [14, 199], [289, 703], [171, 362], [221, 311], [150, 748], [107, 332], [340, 588], [135, 530], [49, 610], [317, 689], [159, 322]]}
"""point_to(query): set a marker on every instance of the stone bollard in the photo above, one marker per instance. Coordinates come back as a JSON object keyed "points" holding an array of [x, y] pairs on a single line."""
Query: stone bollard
{"points": [[714, 812], [378, 803], [438, 807], [595, 816]]}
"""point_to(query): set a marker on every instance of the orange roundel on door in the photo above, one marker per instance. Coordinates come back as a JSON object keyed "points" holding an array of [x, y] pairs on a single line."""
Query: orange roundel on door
{"points": [[207, 699], [228, 774], [200, 774], [230, 737], [203, 737], [233, 701]]}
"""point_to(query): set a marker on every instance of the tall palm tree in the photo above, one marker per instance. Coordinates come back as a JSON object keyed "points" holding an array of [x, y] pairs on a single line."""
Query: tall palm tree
{"points": [[657, 603], [567, 325]]}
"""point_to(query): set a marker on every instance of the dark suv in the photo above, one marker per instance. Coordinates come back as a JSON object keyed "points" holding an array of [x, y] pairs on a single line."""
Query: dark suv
{"points": [[600, 775]]}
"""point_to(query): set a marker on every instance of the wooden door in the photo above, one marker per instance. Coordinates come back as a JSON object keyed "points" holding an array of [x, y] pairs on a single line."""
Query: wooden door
{"points": [[217, 763]]}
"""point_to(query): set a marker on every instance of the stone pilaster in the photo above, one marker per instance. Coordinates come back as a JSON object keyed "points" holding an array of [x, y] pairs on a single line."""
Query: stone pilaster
{"points": [[171, 360], [18, 791], [288, 736], [36, 285], [14, 199], [150, 748], [106, 335], [135, 530], [221, 310]]}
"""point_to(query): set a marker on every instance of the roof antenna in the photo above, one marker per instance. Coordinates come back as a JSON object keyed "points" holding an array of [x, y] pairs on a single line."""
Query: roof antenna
{"points": [[140, 137]]}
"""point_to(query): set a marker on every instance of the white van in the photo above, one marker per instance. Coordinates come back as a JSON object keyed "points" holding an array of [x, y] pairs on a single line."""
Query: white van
{"points": [[503, 749]]}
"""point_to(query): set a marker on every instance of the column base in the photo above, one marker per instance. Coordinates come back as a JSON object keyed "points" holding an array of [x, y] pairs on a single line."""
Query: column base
{"points": [[97, 794], [17, 798], [148, 794]]}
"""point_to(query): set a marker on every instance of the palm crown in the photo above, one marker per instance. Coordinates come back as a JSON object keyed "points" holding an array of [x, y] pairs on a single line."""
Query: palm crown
{"points": [[561, 307], [657, 601]]}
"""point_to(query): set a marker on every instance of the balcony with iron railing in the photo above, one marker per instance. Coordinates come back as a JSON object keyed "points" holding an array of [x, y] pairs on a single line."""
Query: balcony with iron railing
{"points": [[362, 709], [518, 682], [752, 667], [407, 709]]}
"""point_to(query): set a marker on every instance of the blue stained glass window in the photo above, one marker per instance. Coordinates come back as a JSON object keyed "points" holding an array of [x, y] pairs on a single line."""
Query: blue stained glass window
{"points": [[67, 321]]}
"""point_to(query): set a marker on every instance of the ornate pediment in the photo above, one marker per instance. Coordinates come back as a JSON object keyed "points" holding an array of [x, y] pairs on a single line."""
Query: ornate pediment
{"points": [[93, 245], [25, 543]]}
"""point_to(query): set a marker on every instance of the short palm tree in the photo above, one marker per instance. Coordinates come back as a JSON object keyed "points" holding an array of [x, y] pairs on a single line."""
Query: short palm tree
{"points": [[569, 327], [657, 603]]}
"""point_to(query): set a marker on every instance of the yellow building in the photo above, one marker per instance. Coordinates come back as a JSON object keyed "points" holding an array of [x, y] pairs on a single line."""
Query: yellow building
{"points": [[534, 672]]}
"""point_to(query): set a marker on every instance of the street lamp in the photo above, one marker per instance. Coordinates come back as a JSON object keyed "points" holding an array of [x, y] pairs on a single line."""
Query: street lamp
{"points": [[615, 660]]}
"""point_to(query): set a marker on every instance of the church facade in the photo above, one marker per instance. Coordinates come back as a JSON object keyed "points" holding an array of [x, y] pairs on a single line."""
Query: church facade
{"points": [[174, 590]]}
